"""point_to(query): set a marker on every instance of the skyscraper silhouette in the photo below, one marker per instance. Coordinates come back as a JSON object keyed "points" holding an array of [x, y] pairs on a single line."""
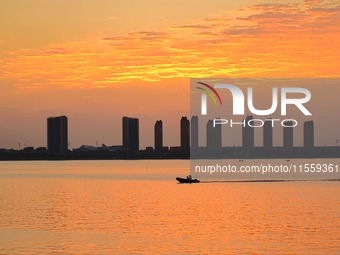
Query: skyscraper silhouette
{"points": [[57, 135], [214, 135], [185, 134], [288, 134], [158, 135], [308, 134], [267, 135], [130, 134], [194, 132], [247, 134]]}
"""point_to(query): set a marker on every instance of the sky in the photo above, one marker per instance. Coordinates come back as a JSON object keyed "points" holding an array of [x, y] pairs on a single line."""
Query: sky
{"points": [[97, 61]]}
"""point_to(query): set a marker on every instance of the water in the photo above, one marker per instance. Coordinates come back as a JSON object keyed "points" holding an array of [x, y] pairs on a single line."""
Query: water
{"points": [[136, 207]]}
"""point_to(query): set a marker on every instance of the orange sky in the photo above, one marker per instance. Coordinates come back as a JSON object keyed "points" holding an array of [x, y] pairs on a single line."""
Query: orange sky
{"points": [[98, 61]]}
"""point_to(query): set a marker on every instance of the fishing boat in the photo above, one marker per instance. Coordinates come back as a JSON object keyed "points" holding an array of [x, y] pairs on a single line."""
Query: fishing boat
{"points": [[187, 180]]}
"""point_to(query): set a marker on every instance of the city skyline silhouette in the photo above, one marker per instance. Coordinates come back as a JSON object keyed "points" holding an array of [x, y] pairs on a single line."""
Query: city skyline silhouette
{"points": [[190, 143]]}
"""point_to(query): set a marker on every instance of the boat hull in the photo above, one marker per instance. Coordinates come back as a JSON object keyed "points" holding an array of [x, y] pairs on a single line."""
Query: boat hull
{"points": [[185, 180]]}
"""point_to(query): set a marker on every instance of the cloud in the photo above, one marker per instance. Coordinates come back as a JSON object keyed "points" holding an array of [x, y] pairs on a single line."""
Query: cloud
{"points": [[189, 27], [267, 40]]}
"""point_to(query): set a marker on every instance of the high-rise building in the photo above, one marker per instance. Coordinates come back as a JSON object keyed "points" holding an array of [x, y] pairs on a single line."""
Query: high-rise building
{"points": [[214, 135], [158, 135], [210, 134], [194, 132], [288, 134], [57, 135], [130, 134], [308, 134], [247, 134], [267, 134], [185, 134]]}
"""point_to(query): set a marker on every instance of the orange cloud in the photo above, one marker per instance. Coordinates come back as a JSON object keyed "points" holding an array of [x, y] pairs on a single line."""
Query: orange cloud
{"points": [[268, 40]]}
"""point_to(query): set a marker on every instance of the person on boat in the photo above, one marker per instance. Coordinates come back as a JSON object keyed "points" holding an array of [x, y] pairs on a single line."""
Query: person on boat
{"points": [[189, 177]]}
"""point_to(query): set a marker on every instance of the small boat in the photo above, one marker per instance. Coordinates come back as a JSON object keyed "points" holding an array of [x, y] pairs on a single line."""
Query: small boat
{"points": [[187, 180]]}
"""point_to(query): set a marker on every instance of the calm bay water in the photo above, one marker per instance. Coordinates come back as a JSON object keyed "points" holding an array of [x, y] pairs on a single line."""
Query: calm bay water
{"points": [[136, 207]]}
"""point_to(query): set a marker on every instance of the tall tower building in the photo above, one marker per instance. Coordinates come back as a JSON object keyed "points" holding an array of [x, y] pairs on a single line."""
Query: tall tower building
{"points": [[267, 134], [247, 134], [288, 134], [158, 135], [185, 134], [57, 135], [308, 134], [194, 132], [130, 134], [214, 135]]}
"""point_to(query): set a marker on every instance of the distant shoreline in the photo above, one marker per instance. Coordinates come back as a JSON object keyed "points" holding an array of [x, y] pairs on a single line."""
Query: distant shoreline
{"points": [[50, 158], [197, 153], [145, 158]]}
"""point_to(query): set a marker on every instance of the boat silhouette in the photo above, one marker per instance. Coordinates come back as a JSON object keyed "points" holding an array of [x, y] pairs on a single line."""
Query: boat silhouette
{"points": [[187, 180]]}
